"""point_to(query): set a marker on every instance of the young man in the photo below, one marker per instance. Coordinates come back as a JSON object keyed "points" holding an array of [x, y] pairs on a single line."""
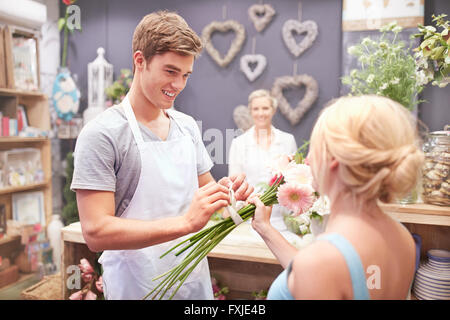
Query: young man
{"points": [[142, 172]]}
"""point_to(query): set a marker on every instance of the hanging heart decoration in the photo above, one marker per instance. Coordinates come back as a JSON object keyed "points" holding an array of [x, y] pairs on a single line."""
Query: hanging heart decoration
{"points": [[236, 45], [294, 115], [259, 60], [242, 117], [309, 26], [261, 15]]}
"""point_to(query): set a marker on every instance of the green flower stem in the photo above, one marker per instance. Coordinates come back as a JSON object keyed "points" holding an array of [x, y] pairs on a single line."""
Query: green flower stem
{"points": [[66, 38], [202, 256], [202, 243]]}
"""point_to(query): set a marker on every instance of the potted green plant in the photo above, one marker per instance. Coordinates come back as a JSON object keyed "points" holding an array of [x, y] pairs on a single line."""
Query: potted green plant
{"points": [[433, 53], [387, 68]]}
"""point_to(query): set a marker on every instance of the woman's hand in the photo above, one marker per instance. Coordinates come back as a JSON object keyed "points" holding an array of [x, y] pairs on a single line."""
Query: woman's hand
{"points": [[261, 218], [242, 190]]}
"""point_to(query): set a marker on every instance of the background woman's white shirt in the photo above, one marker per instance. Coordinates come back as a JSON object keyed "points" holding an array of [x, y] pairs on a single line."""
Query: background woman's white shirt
{"points": [[247, 156]]}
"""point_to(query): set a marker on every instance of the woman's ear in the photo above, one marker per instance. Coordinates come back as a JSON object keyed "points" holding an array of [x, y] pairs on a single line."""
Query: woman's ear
{"points": [[334, 164]]}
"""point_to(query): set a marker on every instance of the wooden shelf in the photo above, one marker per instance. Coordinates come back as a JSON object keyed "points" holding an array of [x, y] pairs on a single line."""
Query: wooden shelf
{"points": [[17, 139], [33, 186], [14, 92], [36, 106], [419, 213], [8, 239]]}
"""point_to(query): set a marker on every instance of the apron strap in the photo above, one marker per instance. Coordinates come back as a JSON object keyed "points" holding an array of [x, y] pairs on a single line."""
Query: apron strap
{"points": [[129, 113]]}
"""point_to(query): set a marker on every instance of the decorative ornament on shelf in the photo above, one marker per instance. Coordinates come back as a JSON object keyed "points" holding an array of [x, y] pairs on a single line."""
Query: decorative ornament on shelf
{"points": [[294, 115], [65, 95], [433, 53], [225, 26], [309, 26], [261, 15], [242, 117], [259, 60], [100, 76]]}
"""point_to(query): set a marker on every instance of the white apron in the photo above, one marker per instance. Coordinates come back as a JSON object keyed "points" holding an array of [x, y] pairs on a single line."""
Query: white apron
{"points": [[166, 186]]}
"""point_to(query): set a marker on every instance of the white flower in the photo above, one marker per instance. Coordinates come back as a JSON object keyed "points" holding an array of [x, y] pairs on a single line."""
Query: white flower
{"points": [[383, 86], [352, 50], [278, 163], [422, 78], [370, 78], [366, 41], [395, 81], [304, 219], [321, 206], [298, 174], [397, 29], [303, 229]]}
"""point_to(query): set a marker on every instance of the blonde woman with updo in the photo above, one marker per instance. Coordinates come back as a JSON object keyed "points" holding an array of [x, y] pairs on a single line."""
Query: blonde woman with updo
{"points": [[253, 151], [363, 150]]}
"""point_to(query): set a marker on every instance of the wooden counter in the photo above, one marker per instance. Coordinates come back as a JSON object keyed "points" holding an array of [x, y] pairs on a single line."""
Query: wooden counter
{"points": [[243, 262]]}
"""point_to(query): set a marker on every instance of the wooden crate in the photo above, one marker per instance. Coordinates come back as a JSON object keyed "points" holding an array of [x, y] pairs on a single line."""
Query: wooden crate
{"points": [[73, 249]]}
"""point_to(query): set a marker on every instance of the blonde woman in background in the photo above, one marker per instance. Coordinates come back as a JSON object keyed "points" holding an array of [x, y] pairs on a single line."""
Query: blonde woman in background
{"points": [[252, 151], [363, 150]]}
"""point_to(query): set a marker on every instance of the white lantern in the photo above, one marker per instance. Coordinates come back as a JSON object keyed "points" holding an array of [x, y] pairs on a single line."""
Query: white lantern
{"points": [[100, 76]]}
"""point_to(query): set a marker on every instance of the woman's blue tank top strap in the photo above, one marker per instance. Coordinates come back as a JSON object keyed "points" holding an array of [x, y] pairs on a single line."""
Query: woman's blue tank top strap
{"points": [[354, 264]]}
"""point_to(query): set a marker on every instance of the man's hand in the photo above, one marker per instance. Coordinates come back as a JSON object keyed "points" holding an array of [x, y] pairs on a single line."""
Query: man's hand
{"points": [[207, 200], [242, 190]]}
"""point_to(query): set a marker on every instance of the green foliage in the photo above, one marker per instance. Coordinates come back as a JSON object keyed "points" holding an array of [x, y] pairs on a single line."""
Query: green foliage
{"points": [[300, 155], [433, 53], [70, 210], [387, 68], [118, 90]]}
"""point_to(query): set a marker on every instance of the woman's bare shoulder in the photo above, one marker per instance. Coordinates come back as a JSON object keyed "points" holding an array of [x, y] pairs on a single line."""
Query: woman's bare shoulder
{"points": [[319, 272]]}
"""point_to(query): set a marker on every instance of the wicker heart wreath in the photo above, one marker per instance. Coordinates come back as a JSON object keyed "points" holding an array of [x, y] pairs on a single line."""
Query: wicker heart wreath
{"points": [[242, 117], [309, 26], [260, 62], [236, 45], [261, 15], [312, 90]]}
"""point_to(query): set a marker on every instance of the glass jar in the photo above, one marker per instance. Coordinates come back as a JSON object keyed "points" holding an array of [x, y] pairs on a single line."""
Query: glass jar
{"points": [[436, 178]]}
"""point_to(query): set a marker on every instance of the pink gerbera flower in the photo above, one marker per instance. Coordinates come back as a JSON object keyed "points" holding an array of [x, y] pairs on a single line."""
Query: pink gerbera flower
{"points": [[295, 197]]}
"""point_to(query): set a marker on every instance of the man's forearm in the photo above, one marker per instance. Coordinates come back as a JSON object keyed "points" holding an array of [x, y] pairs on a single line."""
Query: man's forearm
{"points": [[114, 233]]}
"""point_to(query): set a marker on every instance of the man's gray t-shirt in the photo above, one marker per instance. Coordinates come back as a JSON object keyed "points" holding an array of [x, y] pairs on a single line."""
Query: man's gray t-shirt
{"points": [[106, 156]]}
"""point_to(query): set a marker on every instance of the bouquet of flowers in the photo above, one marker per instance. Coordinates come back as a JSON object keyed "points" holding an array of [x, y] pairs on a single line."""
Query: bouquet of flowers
{"points": [[91, 279], [290, 187]]}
